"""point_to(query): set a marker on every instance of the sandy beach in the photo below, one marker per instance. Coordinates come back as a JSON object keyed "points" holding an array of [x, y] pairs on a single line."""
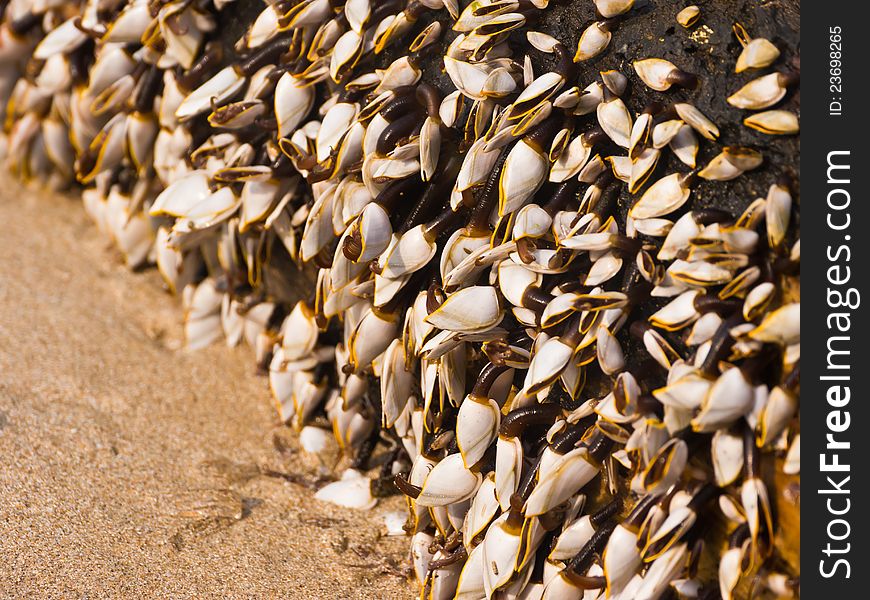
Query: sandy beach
{"points": [[134, 468]]}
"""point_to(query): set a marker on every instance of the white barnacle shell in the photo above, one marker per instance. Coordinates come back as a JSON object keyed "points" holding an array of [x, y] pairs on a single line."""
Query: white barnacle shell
{"points": [[63, 39], [202, 321], [430, 146], [501, 553], [572, 539], [662, 572], [299, 333], [640, 132], [468, 310], [698, 120], [654, 72], [538, 91], [782, 326], [571, 160], [615, 120], [335, 123], [223, 85], [688, 16], [760, 93], [678, 521], [613, 8], [781, 406], [257, 199], [498, 25], [726, 450], [614, 81], [757, 300], [777, 213], [372, 335], [514, 279], [449, 482], [468, 78], [130, 25], [399, 73], [664, 132], [542, 41], [293, 101], [774, 122], [450, 108], [792, 464], [609, 352], [508, 469], [685, 392], [562, 480], [547, 363], [727, 400], [684, 145], [457, 249], [357, 13], [483, 508], [621, 559], [757, 54], [476, 427], [430, 34], [756, 505], [523, 173], [396, 382], [353, 490], [730, 163], [375, 231], [531, 221], [476, 165], [665, 466], [591, 96], [699, 273], [677, 313], [593, 41], [345, 53], [264, 28], [216, 207], [411, 253], [421, 556], [131, 232], [642, 168], [663, 197], [730, 570], [314, 440], [112, 64], [478, 13], [177, 198], [471, 579]]}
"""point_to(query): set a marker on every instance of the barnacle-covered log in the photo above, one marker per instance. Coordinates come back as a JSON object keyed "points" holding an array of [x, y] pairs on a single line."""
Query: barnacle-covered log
{"points": [[546, 253]]}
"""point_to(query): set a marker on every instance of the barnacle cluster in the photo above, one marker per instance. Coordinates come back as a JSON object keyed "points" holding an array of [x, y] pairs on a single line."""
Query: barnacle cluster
{"points": [[582, 396]]}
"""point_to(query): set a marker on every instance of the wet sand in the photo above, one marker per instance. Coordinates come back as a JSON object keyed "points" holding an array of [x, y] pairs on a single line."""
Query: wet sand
{"points": [[132, 467]]}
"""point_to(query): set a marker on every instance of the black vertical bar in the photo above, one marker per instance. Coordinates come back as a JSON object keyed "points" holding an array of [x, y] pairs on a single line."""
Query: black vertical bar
{"points": [[834, 269]]}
